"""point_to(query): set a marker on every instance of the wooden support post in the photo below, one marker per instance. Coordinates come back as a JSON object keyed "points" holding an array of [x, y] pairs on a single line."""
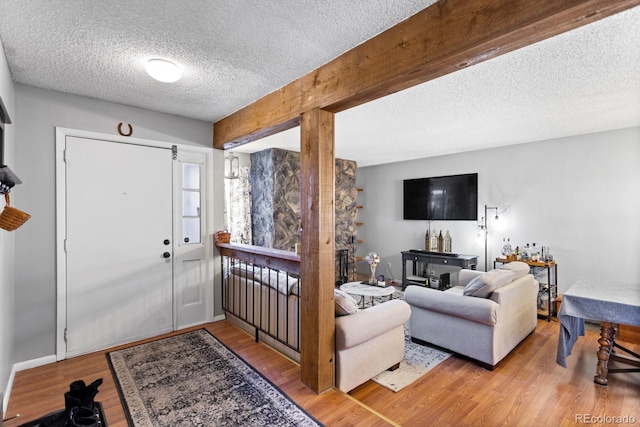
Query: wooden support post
{"points": [[317, 260]]}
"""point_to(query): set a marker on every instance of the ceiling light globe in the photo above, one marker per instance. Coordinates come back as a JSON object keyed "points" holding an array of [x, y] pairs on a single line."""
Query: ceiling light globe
{"points": [[163, 70]]}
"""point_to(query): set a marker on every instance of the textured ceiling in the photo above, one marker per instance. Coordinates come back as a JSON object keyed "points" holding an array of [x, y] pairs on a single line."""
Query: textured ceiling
{"points": [[583, 81], [233, 53]]}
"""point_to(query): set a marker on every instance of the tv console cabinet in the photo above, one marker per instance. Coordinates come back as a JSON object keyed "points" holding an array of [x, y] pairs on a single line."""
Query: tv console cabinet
{"points": [[463, 261]]}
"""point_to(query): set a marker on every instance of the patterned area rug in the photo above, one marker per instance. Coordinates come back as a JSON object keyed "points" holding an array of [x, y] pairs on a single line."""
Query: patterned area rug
{"points": [[418, 359], [193, 379]]}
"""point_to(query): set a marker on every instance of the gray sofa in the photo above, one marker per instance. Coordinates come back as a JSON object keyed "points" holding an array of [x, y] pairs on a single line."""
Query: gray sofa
{"points": [[484, 329]]}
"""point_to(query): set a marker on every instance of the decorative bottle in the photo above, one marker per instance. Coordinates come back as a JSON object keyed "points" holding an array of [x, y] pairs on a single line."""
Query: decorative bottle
{"points": [[534, 253], [503, 250], [427, 242], [434, 242], [526, 253], [440, 242], [448, 247]]}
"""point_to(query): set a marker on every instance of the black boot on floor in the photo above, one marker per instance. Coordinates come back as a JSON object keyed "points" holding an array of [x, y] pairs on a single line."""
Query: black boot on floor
{"points": [[81, 395], [80, 409]]}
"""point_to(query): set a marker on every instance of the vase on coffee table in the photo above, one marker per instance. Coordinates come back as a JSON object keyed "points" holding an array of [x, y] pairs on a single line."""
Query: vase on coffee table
{"points": [[373, 259], [372, 278]]}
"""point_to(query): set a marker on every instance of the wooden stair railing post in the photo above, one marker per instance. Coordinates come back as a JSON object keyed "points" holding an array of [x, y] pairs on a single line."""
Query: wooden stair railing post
{"points": [[317, 261]]}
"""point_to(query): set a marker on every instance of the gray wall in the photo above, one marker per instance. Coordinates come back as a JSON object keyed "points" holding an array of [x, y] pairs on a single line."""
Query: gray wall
{"points": [[578, 195], [38, 112], [7, 347]]}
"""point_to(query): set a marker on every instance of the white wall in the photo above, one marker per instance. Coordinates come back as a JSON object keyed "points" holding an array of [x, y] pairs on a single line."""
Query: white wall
{"points": [[7, 347], [38, 112], [579, 195]]}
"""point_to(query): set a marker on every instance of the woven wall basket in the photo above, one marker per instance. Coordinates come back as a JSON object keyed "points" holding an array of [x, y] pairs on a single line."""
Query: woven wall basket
{"points": [[223, 236], [12, 218]]}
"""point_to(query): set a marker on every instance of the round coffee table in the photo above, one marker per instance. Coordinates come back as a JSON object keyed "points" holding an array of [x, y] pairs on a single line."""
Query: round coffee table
{"points": [[362, 290]]}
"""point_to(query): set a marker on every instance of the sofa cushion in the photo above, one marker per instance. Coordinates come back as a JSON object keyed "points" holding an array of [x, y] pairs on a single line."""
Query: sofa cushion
{"points": [[519, 269], [279, 280], [483, 285], [479, 310], [345, 304]]}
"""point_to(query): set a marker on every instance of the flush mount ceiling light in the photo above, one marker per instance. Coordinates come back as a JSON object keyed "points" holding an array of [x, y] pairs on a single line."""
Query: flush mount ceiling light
{"points": [[163, 70]]}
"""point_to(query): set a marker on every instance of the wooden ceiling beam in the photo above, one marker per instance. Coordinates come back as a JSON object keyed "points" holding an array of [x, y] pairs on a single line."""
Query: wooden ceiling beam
{"points": [[448, 36]]}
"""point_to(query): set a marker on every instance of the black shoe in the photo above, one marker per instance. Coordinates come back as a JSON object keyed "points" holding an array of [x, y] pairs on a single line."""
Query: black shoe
{"points": [[81, 395]]}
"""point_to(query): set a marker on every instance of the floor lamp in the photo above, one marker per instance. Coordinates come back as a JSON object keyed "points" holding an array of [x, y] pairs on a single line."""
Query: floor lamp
{"points": [[484, 226]]}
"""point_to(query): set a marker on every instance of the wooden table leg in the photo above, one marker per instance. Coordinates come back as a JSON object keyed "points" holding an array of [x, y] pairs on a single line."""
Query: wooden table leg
{"points": [[606, 341]]}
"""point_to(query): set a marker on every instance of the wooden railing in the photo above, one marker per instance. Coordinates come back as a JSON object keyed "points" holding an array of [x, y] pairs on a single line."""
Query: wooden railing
{"points": [[261, 288]]}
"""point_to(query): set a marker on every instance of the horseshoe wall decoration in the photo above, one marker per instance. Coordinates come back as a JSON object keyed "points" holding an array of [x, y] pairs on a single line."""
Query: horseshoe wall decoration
{"points": [[122, 133]]}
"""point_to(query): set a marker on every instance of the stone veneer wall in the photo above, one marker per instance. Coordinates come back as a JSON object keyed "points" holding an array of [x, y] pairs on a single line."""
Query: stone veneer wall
{"points": [[275, 194], [346, 198]]}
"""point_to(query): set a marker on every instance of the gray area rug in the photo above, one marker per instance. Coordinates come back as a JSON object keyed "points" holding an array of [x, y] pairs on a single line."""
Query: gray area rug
{"points": [[418, 359], [193, 379]]}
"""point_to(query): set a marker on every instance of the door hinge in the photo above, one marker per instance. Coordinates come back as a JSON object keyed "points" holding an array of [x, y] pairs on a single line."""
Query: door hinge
{"points": [[174, 152], [64, 156], [65, 245], [65, 335]]}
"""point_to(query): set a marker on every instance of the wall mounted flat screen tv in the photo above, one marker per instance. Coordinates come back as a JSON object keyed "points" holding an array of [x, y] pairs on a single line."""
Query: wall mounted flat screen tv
{"points": [[442, 198]]}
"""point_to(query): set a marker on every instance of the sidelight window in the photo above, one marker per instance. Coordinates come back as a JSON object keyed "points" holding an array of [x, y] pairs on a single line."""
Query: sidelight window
{"points": [[191, 202]]}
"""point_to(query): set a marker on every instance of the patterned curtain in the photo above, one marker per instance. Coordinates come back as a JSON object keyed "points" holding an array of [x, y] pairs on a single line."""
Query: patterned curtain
{"points": [[238, 201]]}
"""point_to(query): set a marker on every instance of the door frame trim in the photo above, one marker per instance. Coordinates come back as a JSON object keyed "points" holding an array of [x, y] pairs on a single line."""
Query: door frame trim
{"points": [[61, 213]]}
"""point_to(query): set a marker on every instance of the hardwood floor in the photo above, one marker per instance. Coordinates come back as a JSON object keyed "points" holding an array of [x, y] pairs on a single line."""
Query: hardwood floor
{"points": [[527, 388], [39, 391]]}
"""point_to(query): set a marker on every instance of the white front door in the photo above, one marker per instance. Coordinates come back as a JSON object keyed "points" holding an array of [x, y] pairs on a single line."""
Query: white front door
{"points": [[118, 243], [193, 262]]}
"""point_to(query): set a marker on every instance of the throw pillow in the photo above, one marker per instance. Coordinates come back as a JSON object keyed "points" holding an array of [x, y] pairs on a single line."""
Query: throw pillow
{"points": [[483, 286], [345, 304], [475, 285], [519, 268]]}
